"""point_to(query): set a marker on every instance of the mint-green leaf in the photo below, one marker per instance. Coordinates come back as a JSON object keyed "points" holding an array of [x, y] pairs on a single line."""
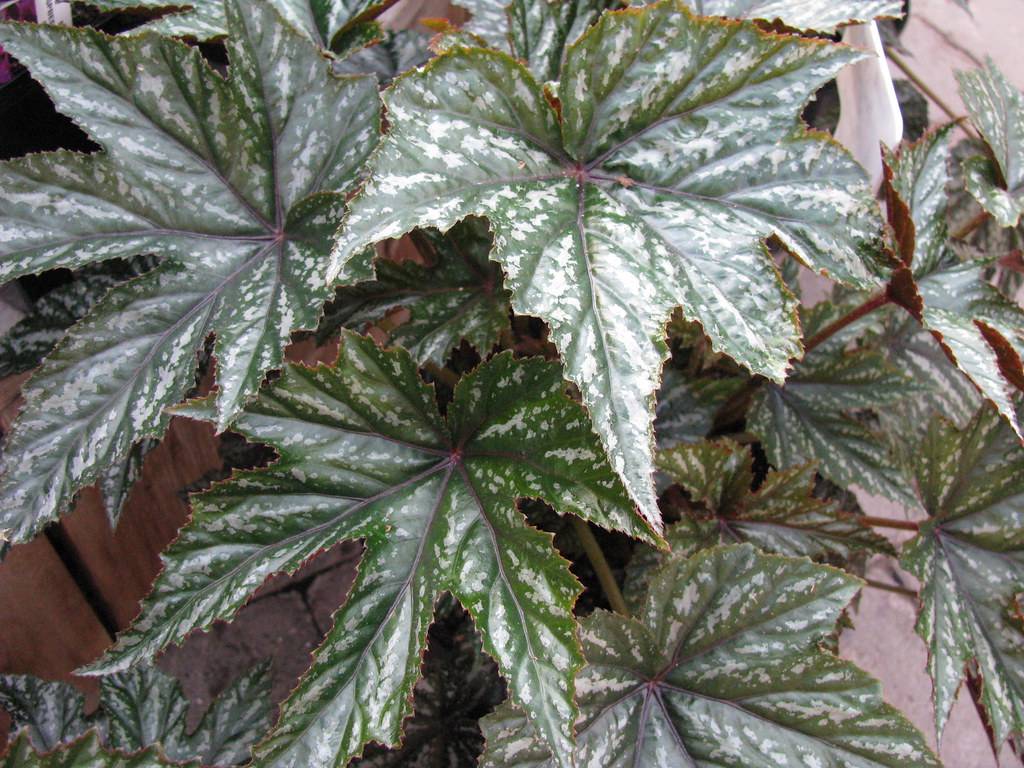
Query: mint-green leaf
{"points": [[321, 21], [781, 517], [813, 417], [969, 557], [996, 108], [85, 753], [458, 297], [724, 667], [982, 331], [224, 178], [677, 153], [365, 453]]}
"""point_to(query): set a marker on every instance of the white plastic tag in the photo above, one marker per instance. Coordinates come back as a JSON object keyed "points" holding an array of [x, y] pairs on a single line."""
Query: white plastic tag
{"points": [[53, 12]]}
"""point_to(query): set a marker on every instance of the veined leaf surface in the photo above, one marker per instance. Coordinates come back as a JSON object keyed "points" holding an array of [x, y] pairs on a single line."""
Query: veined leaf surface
{"points": [[238, 183], [365, 453], [675, 153], [723, 667], [969, 557]]}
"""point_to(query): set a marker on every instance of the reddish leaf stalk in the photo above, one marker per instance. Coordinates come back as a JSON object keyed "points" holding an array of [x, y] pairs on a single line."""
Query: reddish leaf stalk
{"points": [[875, 302], [887, 522]]}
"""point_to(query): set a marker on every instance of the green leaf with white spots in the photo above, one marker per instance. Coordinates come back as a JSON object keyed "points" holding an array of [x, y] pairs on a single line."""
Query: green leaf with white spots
{"points": [[143, 707], [324, 22], [782, 516], [687, 406], [33, 337], [85, 753], [429, 310], [365, 453], [119, 478], [45, 713], [675, 153], [969, 557], [996, 108], [815, 417], [820, 15], [140, 708], [724, 666], [226, 179], [981, 331]]}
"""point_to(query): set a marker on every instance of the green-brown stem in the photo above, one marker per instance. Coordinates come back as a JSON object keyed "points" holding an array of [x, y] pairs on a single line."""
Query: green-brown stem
{"points": [[922, 86], [890, 588], [888, 522], [970, 226], [600, 564]]}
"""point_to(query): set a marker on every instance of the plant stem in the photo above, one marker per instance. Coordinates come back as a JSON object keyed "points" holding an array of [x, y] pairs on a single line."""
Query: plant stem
{"points": [[890, 588], [600, 564], [888, 522], [970, 226], [922, 86], [869, 306], [441, 374]]}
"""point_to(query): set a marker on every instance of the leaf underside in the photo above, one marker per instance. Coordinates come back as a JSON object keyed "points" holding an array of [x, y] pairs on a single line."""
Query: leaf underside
{"points": [[723, 667], [364, 453], [655, 189], [222, 178]]}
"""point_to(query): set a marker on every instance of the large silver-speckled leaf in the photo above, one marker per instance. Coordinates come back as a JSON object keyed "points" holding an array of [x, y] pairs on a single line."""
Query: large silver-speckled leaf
{"points": [[981, 330], [813, 417], [782, 516], [430, 310], [143, 707], [238, 182], [85, 753], [675, 153], [724, 667], [969, 557], [996, 108], [322, 21], [364, 452], [46, 713], [820, 15]]}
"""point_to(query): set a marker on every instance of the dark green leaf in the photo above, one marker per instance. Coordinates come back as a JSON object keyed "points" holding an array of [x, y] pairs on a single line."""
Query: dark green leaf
{"points": [[458, 297], [781, 517], [324, 22], [85, 753], [814, 418], [365, 453], [724, 667], [996, 108], [224, 178], [47, 713], [675, 153], [969, 557]]}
